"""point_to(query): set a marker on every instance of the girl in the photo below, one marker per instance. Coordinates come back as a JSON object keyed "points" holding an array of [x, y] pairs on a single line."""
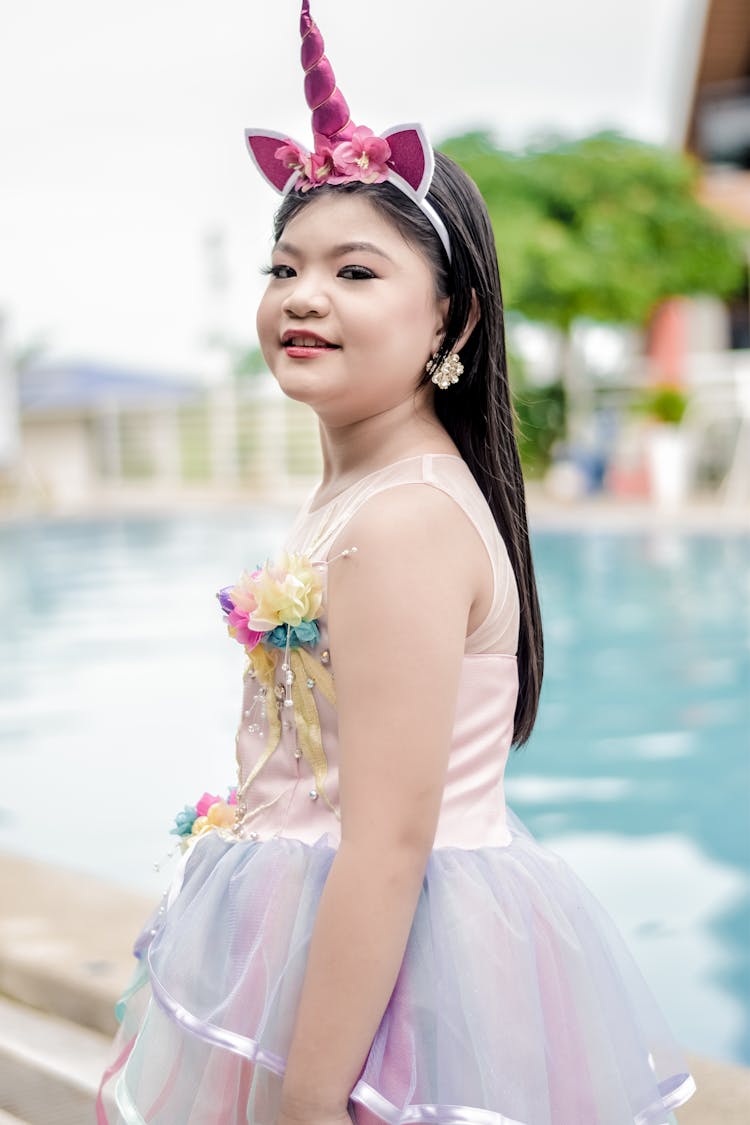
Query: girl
{"points": [[362, 932]]}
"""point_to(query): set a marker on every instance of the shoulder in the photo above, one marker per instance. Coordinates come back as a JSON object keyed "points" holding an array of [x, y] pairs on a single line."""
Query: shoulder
{"points": [[418, 563], [410, 519]]}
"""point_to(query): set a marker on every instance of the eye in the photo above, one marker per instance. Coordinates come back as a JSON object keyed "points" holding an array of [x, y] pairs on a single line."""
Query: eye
{"points": [[356, 273], [281, 273]]}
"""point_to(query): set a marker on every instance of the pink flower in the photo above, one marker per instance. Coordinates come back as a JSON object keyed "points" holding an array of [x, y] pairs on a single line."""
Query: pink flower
{"points": [[292, 156], [205, 803], [244, 602], [363, 157], [241, 631]]}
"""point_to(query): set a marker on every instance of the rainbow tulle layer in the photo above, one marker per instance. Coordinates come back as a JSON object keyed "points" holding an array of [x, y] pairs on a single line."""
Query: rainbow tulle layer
{"points": [[517, 1002]]}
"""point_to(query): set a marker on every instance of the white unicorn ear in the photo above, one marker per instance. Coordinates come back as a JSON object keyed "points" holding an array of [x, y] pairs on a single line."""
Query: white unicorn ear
{"points": [[411, 157], [263, 146]]}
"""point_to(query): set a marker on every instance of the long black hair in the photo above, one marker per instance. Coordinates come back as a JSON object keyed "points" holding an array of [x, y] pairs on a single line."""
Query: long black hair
{"points": [[477, 411]]}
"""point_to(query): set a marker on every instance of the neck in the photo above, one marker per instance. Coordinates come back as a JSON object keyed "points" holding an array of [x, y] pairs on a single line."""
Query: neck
{"points": [[352, 449]]}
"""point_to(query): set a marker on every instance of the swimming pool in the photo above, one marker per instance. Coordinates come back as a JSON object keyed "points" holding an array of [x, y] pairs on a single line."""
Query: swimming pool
{"points": [[119, 698]]}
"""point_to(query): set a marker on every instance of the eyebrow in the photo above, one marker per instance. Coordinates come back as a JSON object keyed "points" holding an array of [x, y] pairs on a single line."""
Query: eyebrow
{"points": [[338, 251]]}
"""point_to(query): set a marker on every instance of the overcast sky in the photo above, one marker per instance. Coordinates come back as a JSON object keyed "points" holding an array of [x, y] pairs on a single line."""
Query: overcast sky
{"points": [[122, 150]]}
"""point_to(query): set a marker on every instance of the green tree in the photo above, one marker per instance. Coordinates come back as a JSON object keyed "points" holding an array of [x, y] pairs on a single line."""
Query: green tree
{"points": [[603, 228]]}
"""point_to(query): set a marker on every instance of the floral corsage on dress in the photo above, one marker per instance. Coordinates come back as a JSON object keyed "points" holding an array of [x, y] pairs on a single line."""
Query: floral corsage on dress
{"points": [[273, 612]]}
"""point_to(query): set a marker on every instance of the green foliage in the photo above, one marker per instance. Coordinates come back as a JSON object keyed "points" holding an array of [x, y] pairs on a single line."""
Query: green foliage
{"points": [[603, 227], [663, 402], [540, 420]]}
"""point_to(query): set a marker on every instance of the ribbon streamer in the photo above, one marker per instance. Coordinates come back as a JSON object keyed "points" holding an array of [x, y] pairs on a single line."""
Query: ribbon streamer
{"points": [[307, 720]]}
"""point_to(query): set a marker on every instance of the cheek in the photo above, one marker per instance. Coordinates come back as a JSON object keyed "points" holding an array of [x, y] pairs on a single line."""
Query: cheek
{"points": [[412, 323], [266, 321]]}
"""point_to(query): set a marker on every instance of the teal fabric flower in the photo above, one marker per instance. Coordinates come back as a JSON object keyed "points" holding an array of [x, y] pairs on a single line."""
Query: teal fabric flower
{"points": [[306, 633], [184, 821]]}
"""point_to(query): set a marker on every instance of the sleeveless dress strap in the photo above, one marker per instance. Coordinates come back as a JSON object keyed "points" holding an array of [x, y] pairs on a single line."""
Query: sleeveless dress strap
{"points": [[315, 530]]}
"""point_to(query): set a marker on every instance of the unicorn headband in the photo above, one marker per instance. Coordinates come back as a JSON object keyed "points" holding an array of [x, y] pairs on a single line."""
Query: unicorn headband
{"points": [[344, 152]]}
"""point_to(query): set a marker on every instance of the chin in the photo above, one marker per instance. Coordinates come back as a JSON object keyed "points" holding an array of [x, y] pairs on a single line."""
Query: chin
{"points": [[300, 387]]}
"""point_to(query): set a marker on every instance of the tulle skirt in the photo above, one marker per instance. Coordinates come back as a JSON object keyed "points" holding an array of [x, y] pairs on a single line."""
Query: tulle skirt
{"points": [[517, 1002]]}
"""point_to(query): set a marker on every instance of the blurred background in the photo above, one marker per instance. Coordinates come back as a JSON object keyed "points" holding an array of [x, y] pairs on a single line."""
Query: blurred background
{"points": [[147, 456]]}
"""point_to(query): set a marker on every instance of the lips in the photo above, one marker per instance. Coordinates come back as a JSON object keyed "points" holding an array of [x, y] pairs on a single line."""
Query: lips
{"points": [[296, 339]]}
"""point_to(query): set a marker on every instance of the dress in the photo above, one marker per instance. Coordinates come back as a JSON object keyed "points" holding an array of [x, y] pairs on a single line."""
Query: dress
{"points": [[517, 1002]]}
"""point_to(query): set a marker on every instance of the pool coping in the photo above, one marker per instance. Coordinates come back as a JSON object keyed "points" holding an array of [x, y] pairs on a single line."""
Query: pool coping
{"points": [[707, 512]]}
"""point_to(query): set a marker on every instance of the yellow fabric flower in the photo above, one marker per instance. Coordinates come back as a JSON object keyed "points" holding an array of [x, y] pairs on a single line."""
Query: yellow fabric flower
{"points": [[220, 815], [288, 592]]}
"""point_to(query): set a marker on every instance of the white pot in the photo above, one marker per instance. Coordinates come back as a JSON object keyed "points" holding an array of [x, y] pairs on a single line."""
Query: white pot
{"points": [[669, 463]]}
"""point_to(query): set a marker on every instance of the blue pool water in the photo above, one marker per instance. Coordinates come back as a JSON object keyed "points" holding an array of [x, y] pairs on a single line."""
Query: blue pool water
{"points": [[119, 698]]}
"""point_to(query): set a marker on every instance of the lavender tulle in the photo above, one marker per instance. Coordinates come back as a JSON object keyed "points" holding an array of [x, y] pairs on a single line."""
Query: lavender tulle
{"points": [[517, 1002]]}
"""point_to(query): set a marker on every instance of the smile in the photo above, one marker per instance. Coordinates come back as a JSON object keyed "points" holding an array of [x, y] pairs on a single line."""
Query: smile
{"points": [[307, 341]]}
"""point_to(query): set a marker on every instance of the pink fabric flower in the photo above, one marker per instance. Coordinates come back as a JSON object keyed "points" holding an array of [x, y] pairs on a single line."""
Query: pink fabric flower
{"points": [[244, 602], [292, 156], [363, 157], [205, 804], [320, 165], [241, 631]]}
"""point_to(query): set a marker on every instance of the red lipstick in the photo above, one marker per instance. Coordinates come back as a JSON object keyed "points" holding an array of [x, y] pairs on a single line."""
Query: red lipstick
{"points": [[304, 344]]}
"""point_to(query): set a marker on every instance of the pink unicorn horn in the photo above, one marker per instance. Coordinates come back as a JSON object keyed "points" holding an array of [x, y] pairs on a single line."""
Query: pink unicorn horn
{"points": [[331, 118]]}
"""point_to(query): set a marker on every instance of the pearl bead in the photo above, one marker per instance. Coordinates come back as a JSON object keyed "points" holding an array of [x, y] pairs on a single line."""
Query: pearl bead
{"points": [[325, 657], [313, 795], [253, 835], [298, 754], [289, 703], [310, 682]]}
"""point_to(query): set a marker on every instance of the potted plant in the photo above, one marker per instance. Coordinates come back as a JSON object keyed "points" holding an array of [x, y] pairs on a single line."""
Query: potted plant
{"points": [[668, 448]]}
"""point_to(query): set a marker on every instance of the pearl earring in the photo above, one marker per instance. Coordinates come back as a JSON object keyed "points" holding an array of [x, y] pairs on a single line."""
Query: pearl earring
{"points": [[448, 371]]}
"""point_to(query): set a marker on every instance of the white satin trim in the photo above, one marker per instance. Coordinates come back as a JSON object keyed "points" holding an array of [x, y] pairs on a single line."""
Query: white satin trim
{"points": [[362, 1094], [419, 1114]]}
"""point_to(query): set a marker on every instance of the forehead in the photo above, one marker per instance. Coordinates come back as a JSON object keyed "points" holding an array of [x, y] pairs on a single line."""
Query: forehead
{"points": [[344, 219]]}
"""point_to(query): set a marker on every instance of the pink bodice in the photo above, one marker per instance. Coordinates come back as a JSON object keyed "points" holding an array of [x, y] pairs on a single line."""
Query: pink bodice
{"points": [[282, 799]]}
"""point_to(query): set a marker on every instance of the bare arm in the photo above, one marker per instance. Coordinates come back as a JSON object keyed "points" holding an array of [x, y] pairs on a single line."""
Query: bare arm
{"points": [[397, 620]]}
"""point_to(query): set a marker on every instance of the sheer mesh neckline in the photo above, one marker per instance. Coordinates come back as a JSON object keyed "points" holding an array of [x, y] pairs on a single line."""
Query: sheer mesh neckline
{"points": [[375, 472]]}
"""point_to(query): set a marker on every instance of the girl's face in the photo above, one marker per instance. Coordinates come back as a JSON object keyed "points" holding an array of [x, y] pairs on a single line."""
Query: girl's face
{"points": [[350, 316]]}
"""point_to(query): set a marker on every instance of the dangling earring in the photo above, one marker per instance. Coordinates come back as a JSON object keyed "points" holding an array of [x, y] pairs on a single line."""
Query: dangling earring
{"points": [[448, 371]]}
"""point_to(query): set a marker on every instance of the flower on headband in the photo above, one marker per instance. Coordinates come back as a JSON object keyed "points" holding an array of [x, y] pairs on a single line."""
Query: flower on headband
{"points": [[315, 168], [364, 157], [320, 165], [292, 156]]}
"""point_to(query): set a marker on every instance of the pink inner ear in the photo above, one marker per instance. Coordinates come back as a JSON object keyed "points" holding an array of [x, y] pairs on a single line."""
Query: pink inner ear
{"points": [[408, 156], [263, 147]]}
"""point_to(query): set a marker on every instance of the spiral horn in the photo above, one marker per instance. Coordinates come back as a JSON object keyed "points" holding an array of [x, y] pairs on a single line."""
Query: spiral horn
{"points": [[330, 113]]}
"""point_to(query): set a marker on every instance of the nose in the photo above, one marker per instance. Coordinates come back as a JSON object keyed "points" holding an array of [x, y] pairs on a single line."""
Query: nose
{"points": [[305, 298]]}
